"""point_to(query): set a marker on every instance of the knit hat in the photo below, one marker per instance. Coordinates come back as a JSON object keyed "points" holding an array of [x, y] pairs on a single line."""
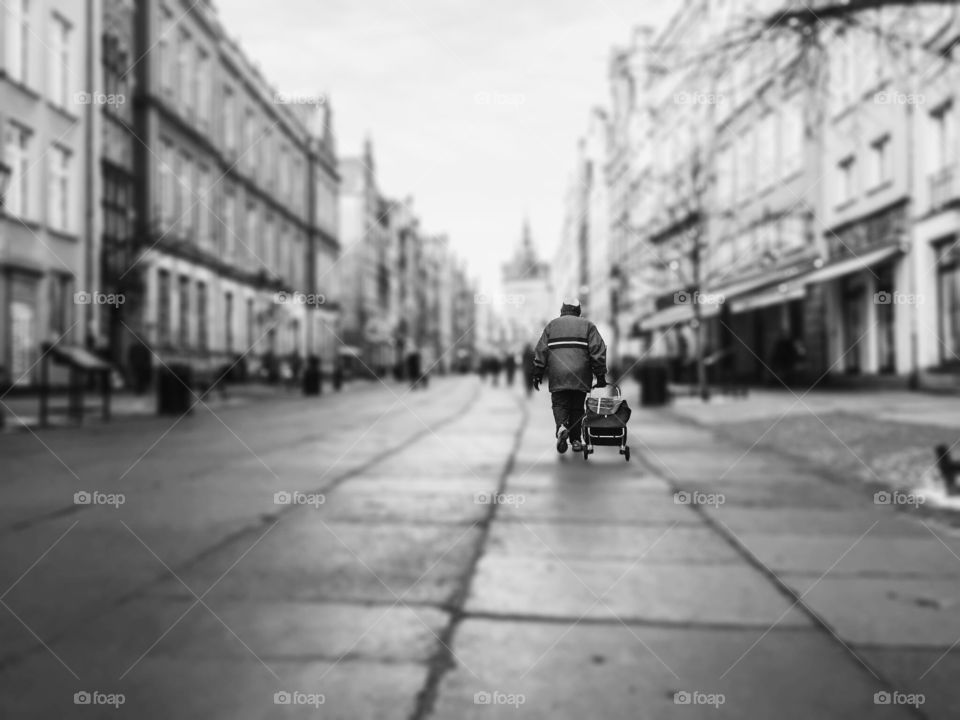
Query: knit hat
{"points": [[570, 306]]}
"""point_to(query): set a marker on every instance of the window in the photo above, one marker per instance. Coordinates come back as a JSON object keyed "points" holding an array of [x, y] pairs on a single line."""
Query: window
{"points": [[202, 319], [294, 260], [284, 183], [251, 324], [17, 40], [228, 321], [17, 151], [942, 139], [115, 66], [297, 199], [184, 328], [229, 128], [845, 81], [792, 137], [187, 209], [203, 205], [847, 179], [167, 181], [59, 62], [202, 78], [948, 300], [767, 150], [885, 334], [248, 132], [768, 237], [163, 307], [165, 54], [266, 158], [184, 80], [880, 171], [58, 193], [270, 249], [229, 220], [253, 242], [61, 303]]}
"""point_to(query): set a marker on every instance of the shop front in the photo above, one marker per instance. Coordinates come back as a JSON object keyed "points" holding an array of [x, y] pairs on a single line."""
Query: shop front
{"points": [[868, 298]]}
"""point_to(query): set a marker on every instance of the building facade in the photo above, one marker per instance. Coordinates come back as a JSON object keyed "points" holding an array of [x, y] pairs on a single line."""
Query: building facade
{"points": [[810, 195], [49, 141], [324, 242], [226, 202]]}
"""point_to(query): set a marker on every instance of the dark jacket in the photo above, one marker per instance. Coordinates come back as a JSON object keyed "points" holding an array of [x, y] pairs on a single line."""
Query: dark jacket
{"points": [[572, 353]]}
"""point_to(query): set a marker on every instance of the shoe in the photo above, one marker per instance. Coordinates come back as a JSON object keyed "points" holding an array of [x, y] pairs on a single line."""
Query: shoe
{"points": [[576, 446], [562, 434]]}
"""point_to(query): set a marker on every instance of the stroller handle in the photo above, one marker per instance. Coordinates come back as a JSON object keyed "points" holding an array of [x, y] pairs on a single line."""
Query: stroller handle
{"points": [[607, 385]]}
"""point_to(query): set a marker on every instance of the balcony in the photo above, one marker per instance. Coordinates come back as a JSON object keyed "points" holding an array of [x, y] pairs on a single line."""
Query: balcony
{"points": [[943, 187]]}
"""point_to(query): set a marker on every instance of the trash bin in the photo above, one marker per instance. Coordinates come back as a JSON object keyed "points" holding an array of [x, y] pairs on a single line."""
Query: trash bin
{"points": [[311, 377], [654, 389], [174, 389]]}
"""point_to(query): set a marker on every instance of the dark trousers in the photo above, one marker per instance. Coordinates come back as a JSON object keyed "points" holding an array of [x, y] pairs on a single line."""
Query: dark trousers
{"points": [[568, 410]]}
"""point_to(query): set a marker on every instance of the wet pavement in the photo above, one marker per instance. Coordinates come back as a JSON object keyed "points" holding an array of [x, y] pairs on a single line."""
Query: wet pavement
{"points": [[430, 555]]}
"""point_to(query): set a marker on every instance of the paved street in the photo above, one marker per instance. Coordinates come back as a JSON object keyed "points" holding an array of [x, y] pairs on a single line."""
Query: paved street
{"points": [[392, 587]]}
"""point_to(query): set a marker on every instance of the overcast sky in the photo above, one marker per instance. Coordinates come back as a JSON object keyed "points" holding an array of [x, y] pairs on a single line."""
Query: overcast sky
{"points": [[414, 74]]}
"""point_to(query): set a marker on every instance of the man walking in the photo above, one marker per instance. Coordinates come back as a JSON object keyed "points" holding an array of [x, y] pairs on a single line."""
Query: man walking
{"points": [[571, 352]]}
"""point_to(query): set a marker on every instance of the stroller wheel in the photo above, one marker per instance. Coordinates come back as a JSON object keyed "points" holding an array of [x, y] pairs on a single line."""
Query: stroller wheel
{"points": [[626, 454]]}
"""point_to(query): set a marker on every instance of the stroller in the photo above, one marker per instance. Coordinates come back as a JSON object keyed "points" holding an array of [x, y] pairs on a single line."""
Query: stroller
{"points": [[605, 416]]}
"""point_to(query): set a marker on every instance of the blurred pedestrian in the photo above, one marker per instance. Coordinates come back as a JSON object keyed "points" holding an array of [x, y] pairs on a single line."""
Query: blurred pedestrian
{"points": [[413, 366], [337, 373], [571, 352], [495, 370], [510, 365], [528, 367]]}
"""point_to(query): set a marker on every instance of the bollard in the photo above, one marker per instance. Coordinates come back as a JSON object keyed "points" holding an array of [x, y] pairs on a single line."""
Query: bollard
{"points": [[949, 468]]}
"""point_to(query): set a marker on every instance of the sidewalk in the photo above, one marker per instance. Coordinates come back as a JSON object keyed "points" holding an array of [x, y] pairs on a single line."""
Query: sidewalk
{"points": [[22, 412], [618, 590], [880, 580], [884, 439]]}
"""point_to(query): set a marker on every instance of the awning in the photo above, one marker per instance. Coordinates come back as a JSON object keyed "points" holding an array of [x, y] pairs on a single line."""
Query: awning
{"points": [[677, 315], [761, 281], [850, 265], [77, 357], [782, 293]]}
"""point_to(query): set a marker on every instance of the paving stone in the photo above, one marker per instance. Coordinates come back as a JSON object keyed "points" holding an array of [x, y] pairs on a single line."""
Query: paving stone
{"points": [[619, 673], [630, 591], [863, 555], [911, 612], [630, 542], [931, 673]]}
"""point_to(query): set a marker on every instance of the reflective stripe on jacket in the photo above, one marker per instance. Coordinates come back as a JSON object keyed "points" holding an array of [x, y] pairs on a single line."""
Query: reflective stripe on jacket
{"points": [[572, 353]]}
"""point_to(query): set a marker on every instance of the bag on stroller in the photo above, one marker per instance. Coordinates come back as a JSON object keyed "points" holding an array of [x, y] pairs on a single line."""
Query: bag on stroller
{"points": [[605, 417]]}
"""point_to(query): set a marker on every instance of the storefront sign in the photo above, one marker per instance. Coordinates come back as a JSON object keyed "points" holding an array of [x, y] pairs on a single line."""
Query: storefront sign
{"points": [[886, 228]]}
